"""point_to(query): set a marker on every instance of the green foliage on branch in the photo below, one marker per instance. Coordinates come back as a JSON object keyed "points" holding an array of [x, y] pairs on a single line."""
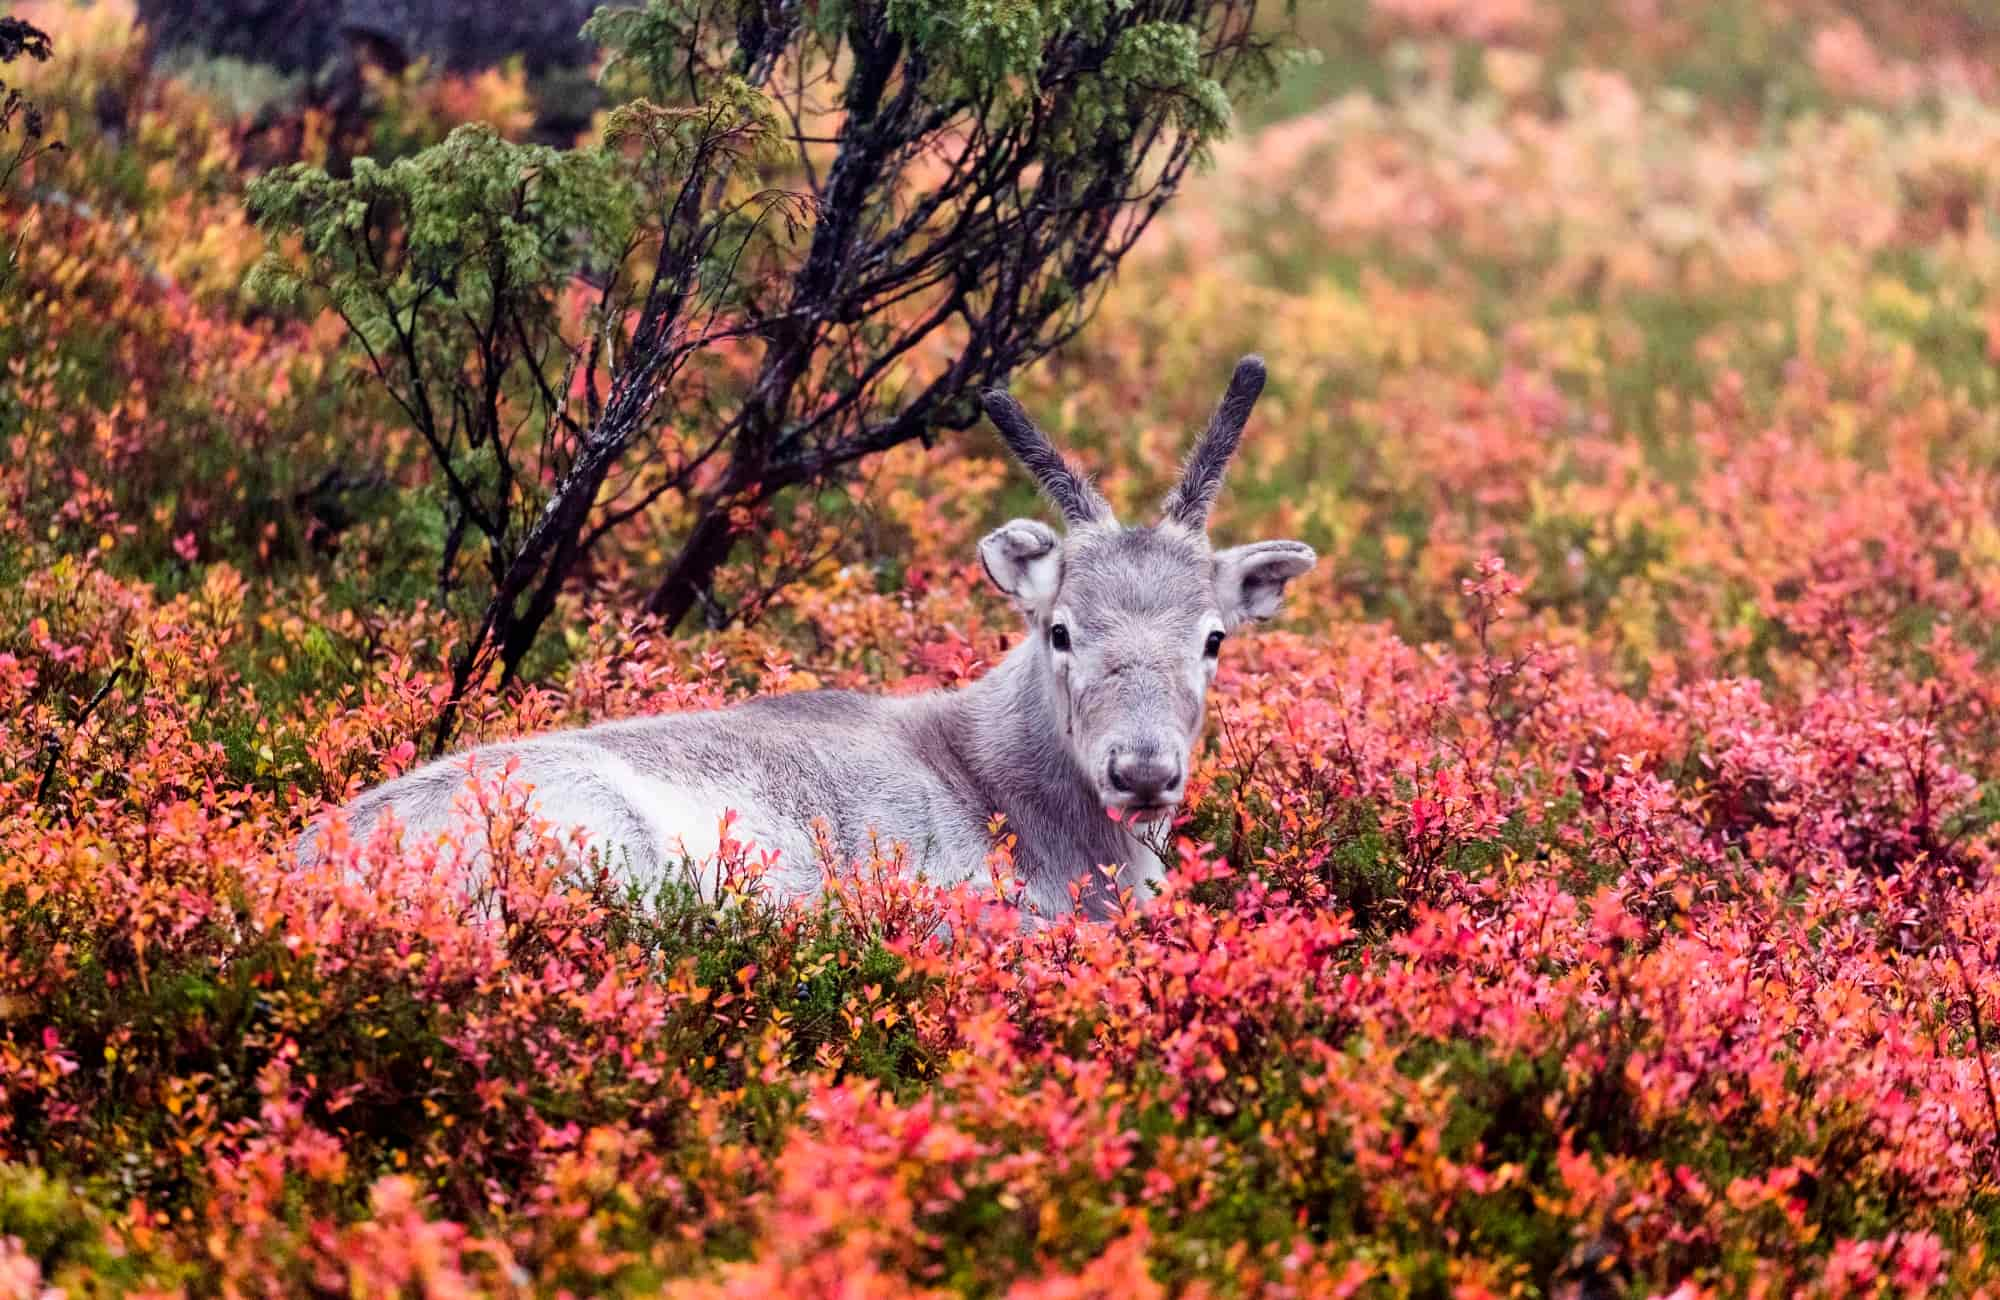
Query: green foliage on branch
{"points": [[847, 191]]}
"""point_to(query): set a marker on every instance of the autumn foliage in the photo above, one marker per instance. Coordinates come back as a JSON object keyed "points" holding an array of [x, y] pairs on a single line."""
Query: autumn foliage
{"points": [[1588, 889]]}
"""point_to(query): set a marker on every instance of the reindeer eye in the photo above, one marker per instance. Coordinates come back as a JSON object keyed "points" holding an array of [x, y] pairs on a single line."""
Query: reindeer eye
{"points": [[1059, 638], [1214, 646]]}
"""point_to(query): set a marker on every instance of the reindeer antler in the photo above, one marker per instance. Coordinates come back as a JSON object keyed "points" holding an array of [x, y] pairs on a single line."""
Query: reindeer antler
{"points": [[1067, 489], [1201, 478]]}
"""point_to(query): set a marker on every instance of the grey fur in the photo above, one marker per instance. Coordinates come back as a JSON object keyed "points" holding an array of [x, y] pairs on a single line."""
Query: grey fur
{"points": [[1096, 712], [1201, 478]]}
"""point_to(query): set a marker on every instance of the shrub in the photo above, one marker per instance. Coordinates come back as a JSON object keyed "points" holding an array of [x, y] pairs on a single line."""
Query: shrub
{"points": [[739, 293], [20, 118]]}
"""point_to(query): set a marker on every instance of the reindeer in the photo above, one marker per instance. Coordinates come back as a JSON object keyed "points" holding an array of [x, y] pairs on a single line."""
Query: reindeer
{"points": [[1081, 737]]}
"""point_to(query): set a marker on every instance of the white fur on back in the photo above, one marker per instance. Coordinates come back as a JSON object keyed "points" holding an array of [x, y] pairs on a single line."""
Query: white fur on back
{"points": [[683, 823], [645, 828]]}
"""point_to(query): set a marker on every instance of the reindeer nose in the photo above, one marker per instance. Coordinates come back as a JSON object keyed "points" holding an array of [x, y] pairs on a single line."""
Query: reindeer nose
{"points": [[1144, 773]]}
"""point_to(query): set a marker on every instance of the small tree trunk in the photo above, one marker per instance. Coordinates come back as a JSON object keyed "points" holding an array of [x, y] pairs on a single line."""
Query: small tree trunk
{"points": [[548, 552], [706, 548]]}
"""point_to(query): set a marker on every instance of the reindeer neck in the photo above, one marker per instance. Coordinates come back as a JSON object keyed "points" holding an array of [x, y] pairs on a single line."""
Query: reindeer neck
{"points": [[1007, 732]]}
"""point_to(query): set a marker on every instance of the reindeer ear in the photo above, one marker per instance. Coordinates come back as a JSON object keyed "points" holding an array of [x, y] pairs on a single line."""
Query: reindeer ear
{"points": [[1024, 559], [1250, 580]]}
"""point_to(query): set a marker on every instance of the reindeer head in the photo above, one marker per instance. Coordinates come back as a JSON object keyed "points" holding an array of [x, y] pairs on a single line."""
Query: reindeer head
{"points": [[1128, 622]]}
